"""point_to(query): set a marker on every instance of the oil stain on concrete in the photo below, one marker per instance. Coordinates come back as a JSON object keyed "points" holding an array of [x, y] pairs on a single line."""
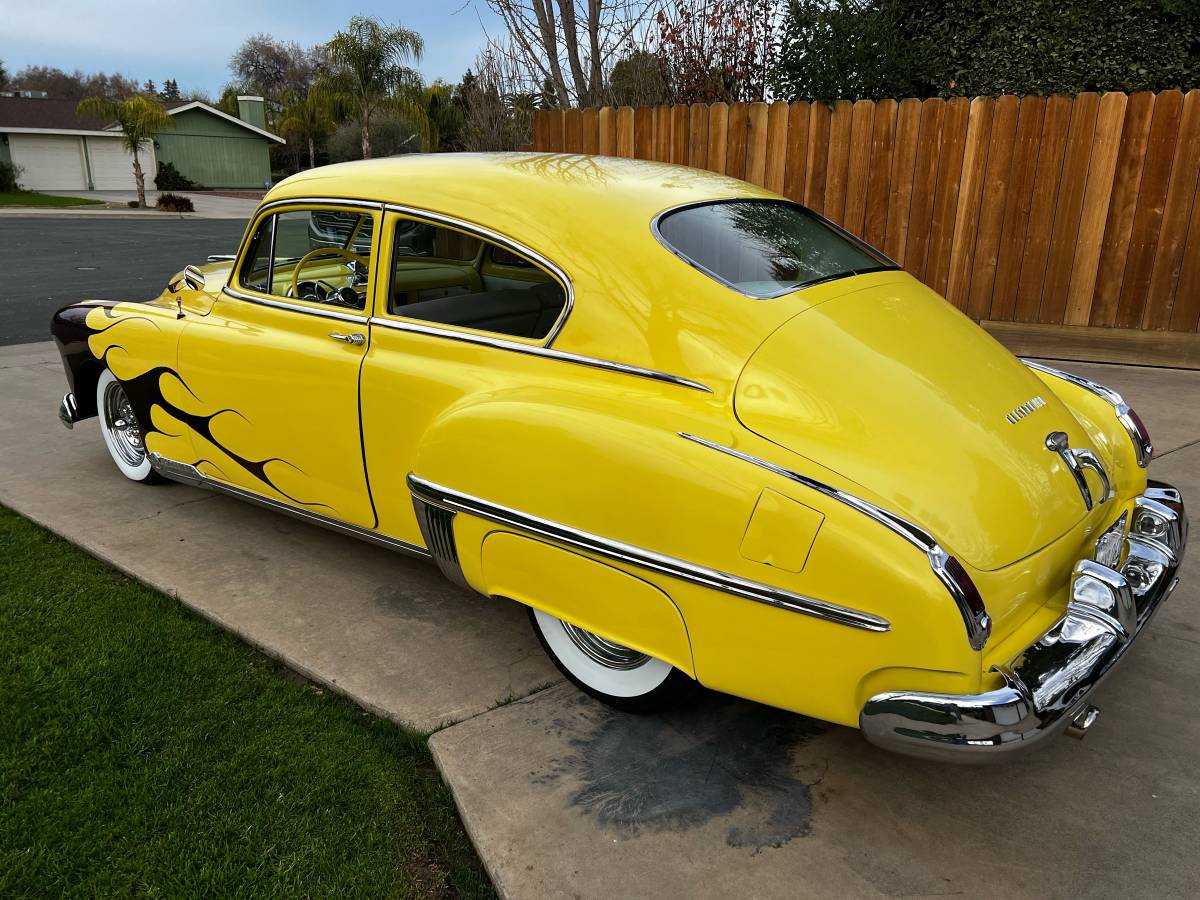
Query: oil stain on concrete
{"points": [[717, 759]]}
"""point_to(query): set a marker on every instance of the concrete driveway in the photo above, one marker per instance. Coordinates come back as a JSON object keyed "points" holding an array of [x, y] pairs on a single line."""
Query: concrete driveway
{"points": [[566, 798]]}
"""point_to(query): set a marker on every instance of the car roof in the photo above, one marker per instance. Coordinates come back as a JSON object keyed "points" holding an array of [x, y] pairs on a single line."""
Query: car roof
{"points": [[635, 301]]}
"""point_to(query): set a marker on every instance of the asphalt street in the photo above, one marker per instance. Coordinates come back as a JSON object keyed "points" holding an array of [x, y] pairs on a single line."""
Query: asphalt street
{"points": [[50, 262]]}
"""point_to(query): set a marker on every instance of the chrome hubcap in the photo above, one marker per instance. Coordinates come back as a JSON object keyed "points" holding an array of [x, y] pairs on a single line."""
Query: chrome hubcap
{"points": [[604, 652], [123, 425]]}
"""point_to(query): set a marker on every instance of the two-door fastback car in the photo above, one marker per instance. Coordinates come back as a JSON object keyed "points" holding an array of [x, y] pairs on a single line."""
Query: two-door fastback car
{"points": [[704, 435]]}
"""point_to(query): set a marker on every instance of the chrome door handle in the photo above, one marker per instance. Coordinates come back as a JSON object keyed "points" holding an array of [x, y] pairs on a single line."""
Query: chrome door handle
{"points": [[355, 339]]}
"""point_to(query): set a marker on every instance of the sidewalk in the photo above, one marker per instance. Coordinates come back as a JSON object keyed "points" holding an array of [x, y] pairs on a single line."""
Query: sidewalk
{"points": [[208, 206], [567, 798]]}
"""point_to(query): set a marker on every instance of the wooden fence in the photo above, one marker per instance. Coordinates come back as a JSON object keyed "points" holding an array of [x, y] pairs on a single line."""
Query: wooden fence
{"points": [[1068, 226]]}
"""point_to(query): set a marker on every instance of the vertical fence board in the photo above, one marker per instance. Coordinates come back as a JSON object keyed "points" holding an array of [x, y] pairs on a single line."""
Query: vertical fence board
{"points": [[1185, 314], [625, 121], [736, 133], [904, 160], [879, 174], [1105, 144], [607, 122], [1061, 211], [1118, 229], [796, 167], [591, 131], [924, 182], [572, 130], [1152, 200], [756, 144], [945, 197], [966, 213], [1017, 205], [679, 134], [775, 165], [858, 168], [818, 156], [1041, 210], [841, 123], [992, 203], [1178, 212], [698, 145], [1064, 235], [718, 128]]}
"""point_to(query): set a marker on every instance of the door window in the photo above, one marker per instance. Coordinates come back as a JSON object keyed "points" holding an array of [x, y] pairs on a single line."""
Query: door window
{"points": [[319, 255], [449, 277]]}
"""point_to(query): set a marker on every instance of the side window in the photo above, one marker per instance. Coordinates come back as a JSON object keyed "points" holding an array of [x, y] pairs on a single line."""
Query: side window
{"points": [[319, 255], [449, 277]]}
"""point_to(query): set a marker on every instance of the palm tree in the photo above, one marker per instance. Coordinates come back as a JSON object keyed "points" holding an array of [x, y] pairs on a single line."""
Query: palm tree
{"points": [[307, 116], [138, 118], [368, 74]]}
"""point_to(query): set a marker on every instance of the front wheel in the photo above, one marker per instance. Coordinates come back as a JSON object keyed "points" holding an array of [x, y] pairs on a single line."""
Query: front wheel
{"points": [[123, 434], [617, 675]]}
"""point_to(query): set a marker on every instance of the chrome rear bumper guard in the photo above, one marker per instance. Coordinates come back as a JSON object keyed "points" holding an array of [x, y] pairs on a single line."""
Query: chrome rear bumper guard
{"points": [[68, 411], [1047, 686]]}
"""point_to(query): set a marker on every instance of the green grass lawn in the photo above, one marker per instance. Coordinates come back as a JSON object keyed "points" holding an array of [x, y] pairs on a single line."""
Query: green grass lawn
{"points": [[145, 752], [33, 198]]}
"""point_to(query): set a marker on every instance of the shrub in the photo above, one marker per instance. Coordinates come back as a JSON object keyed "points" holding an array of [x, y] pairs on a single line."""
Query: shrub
{"points": [[170, 178], [10, 177], [174, 203], [133, 204]]}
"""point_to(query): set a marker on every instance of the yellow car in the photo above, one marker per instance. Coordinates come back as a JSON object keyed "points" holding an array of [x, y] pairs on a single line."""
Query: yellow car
{"points": [[704, 435]]}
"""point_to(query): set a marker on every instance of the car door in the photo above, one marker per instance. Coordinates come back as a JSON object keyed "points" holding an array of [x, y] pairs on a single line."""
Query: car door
{"points": [[445, 332], [272, 371]]}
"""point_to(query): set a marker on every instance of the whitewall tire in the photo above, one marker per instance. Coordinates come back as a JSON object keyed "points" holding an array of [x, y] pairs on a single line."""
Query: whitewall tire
{"points": [[123, 434], [617, 675]]}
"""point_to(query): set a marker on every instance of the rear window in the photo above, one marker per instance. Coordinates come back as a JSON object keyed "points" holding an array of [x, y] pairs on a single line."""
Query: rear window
{"points": [[765, 248]]}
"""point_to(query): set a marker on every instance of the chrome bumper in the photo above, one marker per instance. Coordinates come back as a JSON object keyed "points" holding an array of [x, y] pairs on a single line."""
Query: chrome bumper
{"points": [[68, 411], [1047, 686]]}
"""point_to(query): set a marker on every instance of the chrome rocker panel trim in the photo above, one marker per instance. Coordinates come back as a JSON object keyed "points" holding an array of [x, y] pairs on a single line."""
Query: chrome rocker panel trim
{"points": [[979, 627], [1048, 685], [185, 473], [1143, 449], [447, 498]]}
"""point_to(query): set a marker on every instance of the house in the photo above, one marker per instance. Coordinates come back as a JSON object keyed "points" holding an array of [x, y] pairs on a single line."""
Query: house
{"points": [[59, 151]]}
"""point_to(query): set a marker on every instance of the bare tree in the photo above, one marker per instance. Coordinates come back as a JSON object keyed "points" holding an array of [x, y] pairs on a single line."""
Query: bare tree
{"points": [[498, 111], [569, 46], [274, 68]]}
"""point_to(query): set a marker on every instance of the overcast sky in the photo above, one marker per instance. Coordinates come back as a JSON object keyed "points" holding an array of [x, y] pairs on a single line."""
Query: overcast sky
{"points": [[192, 41]]}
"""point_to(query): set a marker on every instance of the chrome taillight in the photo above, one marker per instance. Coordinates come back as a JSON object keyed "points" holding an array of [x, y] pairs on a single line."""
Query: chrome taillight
{"points": [[970, 602], [1138, 433]]}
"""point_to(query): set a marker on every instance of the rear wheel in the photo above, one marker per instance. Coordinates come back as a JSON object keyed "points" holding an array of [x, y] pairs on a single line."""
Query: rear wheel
{"points": [[617, 675], [123, 434]]}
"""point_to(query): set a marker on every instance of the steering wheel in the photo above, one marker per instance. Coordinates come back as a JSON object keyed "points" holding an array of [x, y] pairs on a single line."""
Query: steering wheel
{"points": [[349, 255]]}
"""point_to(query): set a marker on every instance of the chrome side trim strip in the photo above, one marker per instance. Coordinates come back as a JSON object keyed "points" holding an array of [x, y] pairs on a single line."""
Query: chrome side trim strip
{"points": [[294, 307], [500, 343], [1144, 450], [186, 473], [497, 238], [975, 618], [447, 498]]}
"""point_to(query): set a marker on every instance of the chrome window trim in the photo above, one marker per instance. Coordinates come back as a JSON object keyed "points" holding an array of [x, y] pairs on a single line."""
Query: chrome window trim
{"points": [[1142, 450], [500, 343], [979, 628], [334, 314], [186, 473], [497, 238], [439, 495], [889, 265]]}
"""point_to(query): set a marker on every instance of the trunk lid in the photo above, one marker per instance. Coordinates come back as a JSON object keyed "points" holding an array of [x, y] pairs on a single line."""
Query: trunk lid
{"points": [[895, 390]]}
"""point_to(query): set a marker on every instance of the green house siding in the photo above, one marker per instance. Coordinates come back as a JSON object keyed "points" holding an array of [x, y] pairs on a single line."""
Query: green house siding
{"points": [[214, 152]]}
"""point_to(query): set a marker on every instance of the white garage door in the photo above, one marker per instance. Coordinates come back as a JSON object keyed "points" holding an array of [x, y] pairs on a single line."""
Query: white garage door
{"points": [[52, 162], [112, 167]]}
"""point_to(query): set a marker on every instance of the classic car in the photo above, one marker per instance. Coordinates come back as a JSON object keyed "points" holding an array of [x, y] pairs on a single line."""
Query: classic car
{"points": [[704, 435]]}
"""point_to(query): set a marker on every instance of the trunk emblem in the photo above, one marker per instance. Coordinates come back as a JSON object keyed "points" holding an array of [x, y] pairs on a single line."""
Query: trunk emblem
{"points": [[1025, 409], [1077, 460]]}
